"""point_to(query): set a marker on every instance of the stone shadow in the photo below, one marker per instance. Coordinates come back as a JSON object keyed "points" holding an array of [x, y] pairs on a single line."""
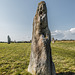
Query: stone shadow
{"points": [[65, 73]]}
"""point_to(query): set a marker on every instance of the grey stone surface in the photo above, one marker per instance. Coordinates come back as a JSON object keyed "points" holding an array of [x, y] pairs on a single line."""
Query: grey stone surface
{"points": [[41, 59], [9, 40]]}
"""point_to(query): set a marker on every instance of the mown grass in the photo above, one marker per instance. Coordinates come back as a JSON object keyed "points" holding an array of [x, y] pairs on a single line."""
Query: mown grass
{"points": [[14, 58], [64, 57]]}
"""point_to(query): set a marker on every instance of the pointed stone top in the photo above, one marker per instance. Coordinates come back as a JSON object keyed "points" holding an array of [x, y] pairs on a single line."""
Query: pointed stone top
{"points": [[41, 8], [42, 2]]}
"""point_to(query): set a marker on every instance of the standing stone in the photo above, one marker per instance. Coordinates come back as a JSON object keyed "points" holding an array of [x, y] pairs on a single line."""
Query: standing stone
{"points": [[41, 58], [9, 40], [53, 41]]}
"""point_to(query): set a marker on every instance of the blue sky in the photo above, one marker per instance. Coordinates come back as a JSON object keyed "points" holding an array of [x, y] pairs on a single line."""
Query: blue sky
{"points": [[16, 18]]}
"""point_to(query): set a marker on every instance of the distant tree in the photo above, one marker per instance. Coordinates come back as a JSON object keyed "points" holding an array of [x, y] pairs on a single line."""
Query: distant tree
{"points": [[56, 39], [9, 39]]}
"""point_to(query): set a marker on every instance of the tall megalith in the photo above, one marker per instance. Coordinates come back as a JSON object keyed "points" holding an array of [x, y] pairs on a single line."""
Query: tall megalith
{"points": [[41, 58]]}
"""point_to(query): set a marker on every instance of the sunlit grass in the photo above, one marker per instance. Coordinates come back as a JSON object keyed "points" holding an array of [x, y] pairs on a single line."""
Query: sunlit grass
{"points": [[14, 58], [64, 56]]}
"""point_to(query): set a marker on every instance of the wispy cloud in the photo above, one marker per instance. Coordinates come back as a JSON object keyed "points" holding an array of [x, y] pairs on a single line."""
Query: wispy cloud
{"points": [[67, 34]]}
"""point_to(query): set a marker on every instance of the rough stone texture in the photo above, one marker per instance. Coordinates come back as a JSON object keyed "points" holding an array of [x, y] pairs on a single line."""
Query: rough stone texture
{"points": [[40, 59]]}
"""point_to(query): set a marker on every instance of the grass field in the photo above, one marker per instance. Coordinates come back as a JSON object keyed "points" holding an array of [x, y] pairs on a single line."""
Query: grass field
{"points": [[14, 58]]}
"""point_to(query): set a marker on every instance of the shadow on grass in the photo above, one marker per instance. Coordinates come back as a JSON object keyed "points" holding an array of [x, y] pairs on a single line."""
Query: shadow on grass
{"points": [[66, 73]]}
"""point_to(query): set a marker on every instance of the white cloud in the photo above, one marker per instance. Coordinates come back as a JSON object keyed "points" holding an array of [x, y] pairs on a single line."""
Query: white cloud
{"points": [[72, 30], [67, 34]]}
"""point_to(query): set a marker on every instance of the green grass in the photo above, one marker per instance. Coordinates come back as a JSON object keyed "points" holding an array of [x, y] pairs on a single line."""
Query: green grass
{"points": [[14, 58], [64, 57]]}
